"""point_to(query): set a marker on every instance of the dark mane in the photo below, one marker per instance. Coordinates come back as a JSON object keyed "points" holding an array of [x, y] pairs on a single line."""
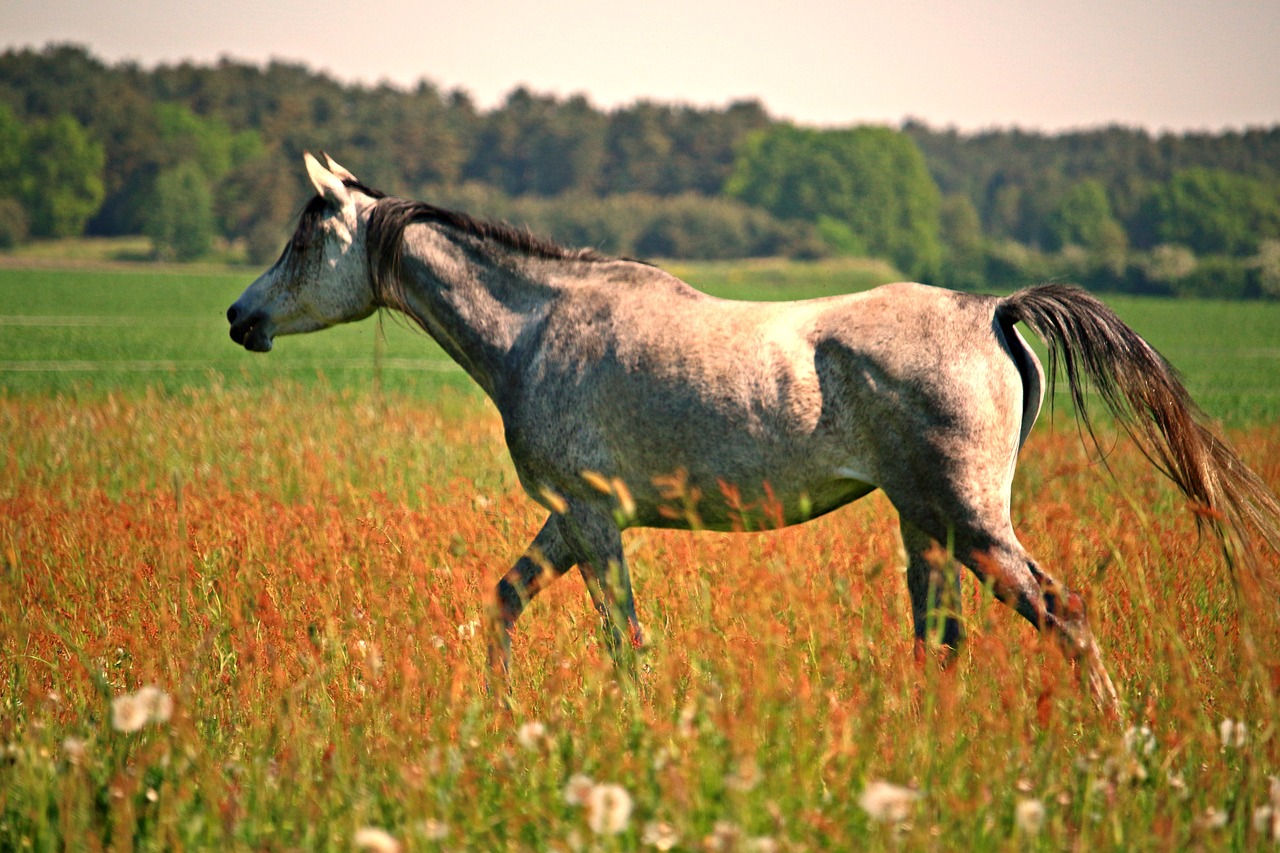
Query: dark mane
{"points": [[391, 216]]}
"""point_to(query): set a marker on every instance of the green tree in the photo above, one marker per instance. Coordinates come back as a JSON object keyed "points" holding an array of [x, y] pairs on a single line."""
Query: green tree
{"points": [[963, 243], [704, 145], [872, 179], [638, 149], [13, 223], [13, 217], [254, 205], [1082, 217], [1215, 212], [61, 185], [12, 135], [535, 144], [206, 141], [181, 221]]}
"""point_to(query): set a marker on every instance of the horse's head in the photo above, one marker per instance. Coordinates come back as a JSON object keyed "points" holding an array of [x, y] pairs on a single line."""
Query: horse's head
{"points": [[322, 277]]}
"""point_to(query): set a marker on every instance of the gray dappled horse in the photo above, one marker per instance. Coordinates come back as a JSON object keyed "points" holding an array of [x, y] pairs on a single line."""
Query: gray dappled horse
{"points": [[630, 399]]}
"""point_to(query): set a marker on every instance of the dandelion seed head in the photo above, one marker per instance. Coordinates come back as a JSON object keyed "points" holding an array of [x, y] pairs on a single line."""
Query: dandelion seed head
{"points": [[159, 704], [435, 830], [75, 749], [659, 835], [724, 836], [687, 715], [1266, 822], [131, 711], [1139, 740], [376, 840], [608, 809], [1233, 734], [577, 789], [1213, 818], [128, 714], [531, 734], [887, 802], [1029, 816]]}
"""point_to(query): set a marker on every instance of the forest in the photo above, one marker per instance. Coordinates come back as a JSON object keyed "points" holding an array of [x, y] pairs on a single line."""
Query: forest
{"points": [[205, 161]]}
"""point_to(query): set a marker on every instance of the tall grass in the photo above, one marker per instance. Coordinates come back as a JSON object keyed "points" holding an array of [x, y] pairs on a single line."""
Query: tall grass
{"points": [[299, 550], [303, 571]]}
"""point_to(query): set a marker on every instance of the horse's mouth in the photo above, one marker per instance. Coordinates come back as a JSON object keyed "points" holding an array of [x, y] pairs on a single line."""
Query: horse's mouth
{"points": [[252, 333]]}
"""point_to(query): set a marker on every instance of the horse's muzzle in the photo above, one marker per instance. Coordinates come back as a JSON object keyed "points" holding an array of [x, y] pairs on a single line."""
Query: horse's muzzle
{"points": [[250, 330]]}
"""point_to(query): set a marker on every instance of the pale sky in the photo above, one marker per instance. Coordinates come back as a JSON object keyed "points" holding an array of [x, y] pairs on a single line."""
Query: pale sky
{"points": [[1159, 64]]}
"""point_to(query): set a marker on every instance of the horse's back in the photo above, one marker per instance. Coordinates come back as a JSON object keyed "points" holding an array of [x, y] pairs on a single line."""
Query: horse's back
{"points": [[822, 397], [941, 393]]}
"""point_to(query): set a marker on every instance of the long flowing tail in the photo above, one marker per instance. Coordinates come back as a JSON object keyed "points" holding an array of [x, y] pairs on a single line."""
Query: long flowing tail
{"points": [[1144, 393]]}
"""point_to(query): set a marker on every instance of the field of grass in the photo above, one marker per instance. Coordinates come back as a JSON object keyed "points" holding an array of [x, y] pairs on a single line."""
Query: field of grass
{"points": [[298, 549], [90, 331]]}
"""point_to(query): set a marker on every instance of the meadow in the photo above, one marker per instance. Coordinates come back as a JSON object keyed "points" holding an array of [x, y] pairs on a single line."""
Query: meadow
{"points": [[296, 552]]}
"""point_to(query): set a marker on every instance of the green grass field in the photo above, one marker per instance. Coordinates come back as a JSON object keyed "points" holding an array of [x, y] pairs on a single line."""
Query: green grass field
{"points": [[85, 330], [297, 551]]}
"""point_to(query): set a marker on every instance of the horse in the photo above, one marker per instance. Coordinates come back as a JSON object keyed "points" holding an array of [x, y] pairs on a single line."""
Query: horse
{"points": [[630, 399]]}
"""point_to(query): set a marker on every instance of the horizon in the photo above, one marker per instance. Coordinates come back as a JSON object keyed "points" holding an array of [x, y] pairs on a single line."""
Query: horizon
{"points": [[1168, 66]]}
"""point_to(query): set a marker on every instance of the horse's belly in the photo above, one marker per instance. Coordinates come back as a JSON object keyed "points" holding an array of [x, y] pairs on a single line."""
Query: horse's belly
{"points": [[745, 497]]}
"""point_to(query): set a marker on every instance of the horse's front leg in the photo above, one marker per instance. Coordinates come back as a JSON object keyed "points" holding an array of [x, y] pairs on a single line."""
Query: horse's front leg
{"points": [[548, 557], [604, 570]]}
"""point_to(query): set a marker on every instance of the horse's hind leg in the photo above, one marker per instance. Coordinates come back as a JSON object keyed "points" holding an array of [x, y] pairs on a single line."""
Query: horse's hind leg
{"points": [[1044, 602], [934, 586], [976, 524]]}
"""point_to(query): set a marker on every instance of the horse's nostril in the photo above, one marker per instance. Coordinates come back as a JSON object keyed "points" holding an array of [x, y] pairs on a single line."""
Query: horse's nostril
{"points": [[231, 314]]}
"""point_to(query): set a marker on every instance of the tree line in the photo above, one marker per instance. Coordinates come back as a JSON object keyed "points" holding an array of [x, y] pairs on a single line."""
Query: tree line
{"points": [[201, 155]]}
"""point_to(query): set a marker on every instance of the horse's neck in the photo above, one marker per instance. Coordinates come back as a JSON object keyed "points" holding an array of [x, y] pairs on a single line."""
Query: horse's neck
{"points": [[475, 305]]}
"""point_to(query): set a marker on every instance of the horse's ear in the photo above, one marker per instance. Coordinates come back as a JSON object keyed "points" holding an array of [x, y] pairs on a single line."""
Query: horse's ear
{"points": [[327, 184], [338, 169]]}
